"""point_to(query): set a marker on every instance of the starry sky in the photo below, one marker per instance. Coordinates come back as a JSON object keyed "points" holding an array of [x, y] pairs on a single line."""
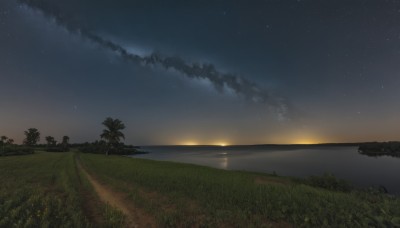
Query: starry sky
{"points": [[202, 72]]}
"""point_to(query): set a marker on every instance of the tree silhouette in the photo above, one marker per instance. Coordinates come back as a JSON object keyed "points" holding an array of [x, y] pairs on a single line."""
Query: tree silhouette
{"points": [[3, 141], [32, 137], [65, 143], [50, 141], [113, 132], [10, 142]]}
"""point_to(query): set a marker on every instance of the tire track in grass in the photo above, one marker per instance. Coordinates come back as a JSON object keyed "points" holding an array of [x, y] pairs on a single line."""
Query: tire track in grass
{"points": [[92, 203], [134, 218]]}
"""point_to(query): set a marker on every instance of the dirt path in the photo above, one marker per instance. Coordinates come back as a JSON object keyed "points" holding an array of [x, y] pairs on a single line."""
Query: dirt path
{"points": [[134, 217]]}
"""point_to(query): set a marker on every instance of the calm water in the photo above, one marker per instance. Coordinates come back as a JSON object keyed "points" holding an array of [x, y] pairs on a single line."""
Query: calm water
{"points": [[300, 161]]}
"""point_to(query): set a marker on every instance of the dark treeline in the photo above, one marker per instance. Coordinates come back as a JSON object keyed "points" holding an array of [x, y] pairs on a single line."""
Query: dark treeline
{"points": [[380, 149], [102, 147], [8, 150], [110, 142], [53, 146], [8, 147]]}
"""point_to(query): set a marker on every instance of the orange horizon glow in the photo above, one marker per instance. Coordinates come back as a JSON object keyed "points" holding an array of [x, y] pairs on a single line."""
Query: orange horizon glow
{"points": [[195, 143], [190, 143], [296, 137], [306, 142], [301, 141]]}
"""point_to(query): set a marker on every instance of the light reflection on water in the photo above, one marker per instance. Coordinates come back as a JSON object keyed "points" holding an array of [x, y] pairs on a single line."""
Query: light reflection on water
{"points": [[343, 162]]}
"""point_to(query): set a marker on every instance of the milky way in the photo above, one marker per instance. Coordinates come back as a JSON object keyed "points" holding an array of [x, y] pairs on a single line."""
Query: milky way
{"points": [[241, 86]]}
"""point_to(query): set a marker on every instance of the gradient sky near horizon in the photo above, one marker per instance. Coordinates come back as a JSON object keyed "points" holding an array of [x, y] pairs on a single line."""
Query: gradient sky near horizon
{"points": [[329, 70]]}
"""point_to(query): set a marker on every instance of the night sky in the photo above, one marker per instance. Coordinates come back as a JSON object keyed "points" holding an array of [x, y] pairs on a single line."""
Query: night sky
{"points": [[202, 72]]}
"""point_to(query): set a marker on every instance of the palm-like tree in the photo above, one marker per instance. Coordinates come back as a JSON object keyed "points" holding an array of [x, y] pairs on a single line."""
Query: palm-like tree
{"points": [[50, 141], [64, 143], [3, 141], [3, 138], [113, 132]]}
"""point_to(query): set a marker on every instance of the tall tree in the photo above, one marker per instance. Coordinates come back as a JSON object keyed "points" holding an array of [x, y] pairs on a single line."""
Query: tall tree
{"points": [[113, 132], [65, 143], [50, 141], [32, 136], [3, 141]]}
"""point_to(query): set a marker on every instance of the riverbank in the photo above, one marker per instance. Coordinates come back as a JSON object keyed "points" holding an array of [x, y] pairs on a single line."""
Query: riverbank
{"points": [[168, 194], [376, 149]]}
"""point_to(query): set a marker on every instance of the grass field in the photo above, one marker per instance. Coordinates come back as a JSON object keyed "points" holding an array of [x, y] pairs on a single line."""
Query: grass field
{"points": [[40, 190], [50, 190], [46, 190]]}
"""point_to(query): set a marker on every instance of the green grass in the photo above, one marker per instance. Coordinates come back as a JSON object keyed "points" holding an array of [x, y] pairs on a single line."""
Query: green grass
{"points": [[187, 195], [48, 190], [40, 190], [45, 190]]}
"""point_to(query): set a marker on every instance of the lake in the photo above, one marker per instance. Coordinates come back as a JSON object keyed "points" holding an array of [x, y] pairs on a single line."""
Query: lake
{"points": [[299, 161]]}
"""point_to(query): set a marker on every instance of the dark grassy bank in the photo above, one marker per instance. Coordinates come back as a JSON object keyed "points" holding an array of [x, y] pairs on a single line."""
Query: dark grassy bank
{"points": [[190, 195]]}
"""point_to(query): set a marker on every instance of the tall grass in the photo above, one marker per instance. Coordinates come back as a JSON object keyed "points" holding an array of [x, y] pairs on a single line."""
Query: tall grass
{"points": [[40, 190], [48, 190], [188, 195]]}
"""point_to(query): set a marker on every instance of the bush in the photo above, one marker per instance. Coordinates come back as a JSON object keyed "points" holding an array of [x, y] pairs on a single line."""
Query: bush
{"points": [[100, 147], [16, 150], [380, 148], [329, 181], [93, 148]]}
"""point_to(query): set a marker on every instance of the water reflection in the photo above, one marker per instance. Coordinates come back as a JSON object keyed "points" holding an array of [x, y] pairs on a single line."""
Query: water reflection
{"points": [[223, 158]]}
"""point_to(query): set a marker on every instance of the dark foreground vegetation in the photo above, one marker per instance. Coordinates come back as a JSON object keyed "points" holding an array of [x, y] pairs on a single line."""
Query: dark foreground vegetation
{"points": [[49, 190], [100, 147], [380, 149]]}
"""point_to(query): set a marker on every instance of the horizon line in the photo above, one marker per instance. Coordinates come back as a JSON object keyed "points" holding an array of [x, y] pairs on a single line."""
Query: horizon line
{"points": [[266, 144]]}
